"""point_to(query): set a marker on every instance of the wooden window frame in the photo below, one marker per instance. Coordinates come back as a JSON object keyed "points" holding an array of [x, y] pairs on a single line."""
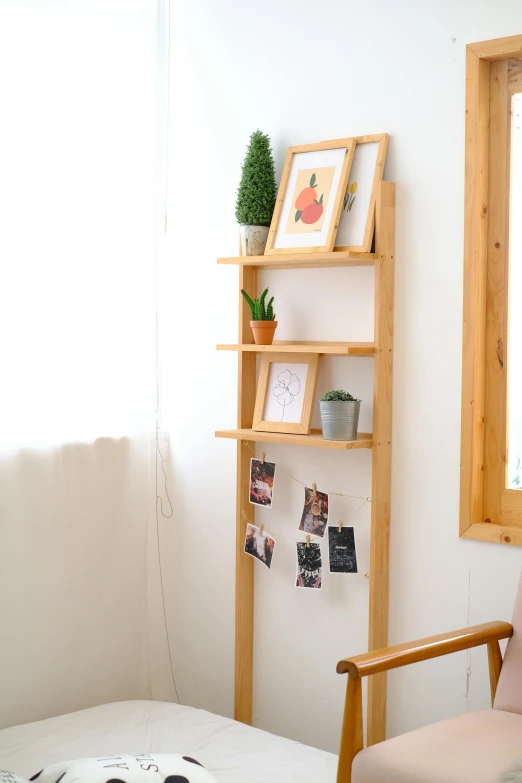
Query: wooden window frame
{"points": [[488, 510]]}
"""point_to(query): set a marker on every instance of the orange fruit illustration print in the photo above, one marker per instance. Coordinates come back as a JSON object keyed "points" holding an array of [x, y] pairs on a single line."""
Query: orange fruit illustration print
{"points": [[308, 207]]}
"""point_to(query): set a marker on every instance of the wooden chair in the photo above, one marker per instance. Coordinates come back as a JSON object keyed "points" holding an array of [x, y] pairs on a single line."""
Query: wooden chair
{"points": [[473, 748]]}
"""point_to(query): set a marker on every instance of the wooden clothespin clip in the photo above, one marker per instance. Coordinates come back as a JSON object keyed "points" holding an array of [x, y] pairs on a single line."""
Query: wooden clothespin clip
{"points": [[308, 542], [314, 487], [340, 525], [261, 528], [263, 458]]}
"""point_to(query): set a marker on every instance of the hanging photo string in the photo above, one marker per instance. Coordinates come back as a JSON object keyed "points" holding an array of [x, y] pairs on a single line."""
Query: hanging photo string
{"points": [[338, 494], [293, 538]]}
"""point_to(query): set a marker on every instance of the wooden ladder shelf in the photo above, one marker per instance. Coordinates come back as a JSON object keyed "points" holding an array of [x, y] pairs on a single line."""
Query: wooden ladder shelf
{"points": [[379, 441]]}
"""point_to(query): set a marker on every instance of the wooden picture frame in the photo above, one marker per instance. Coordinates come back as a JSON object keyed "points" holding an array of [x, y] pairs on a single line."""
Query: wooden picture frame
{"points": [[291, 384], [357, 217], [289, 231]]}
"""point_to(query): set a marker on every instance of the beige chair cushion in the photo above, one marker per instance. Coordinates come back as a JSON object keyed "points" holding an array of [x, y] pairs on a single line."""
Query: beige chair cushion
{"points": [[473, 748], [509, 690]]}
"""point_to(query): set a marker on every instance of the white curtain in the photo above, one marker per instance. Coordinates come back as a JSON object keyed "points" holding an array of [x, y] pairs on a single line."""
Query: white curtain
{"points": [[82, 160]]}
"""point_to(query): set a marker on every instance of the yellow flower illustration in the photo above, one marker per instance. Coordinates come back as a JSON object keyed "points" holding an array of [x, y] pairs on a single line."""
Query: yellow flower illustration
{"points": [[349, 197]]}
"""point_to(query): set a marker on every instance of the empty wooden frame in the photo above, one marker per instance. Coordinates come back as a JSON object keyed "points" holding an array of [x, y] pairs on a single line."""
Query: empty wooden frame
{"points": [[285, 393]]}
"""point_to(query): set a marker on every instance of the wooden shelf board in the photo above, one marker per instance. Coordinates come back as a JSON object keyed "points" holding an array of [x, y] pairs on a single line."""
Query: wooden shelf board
{"points": [[297, 346], [304, 260], [364, 439]]}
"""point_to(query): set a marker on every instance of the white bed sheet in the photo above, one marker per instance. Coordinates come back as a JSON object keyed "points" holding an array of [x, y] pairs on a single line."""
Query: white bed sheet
{"points": [[233, 752]]}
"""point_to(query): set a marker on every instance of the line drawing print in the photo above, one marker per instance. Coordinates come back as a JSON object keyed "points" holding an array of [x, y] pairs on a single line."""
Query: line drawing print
{"points": [[286, 390]]}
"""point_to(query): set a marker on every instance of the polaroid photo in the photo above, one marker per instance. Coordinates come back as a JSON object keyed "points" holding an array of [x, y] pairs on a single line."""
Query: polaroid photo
{"points": [[341, 550], [259, 545], [309, 566], [315, 513], [262, 477]]}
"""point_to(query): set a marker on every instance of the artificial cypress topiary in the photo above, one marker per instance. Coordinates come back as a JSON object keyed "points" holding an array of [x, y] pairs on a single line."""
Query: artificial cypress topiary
{"points": [[256, 196]]}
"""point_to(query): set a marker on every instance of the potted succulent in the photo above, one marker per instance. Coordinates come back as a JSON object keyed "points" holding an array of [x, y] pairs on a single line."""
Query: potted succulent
{"points": [[256, 196], [263, 321], [339, 415]]}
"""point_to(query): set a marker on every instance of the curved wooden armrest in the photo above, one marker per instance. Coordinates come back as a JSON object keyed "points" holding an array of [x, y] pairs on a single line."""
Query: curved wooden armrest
{"points": [[431, 647]]}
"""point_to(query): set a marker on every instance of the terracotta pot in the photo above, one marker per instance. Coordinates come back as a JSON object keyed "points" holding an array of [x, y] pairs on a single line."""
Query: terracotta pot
{"points": [[263, 331]]}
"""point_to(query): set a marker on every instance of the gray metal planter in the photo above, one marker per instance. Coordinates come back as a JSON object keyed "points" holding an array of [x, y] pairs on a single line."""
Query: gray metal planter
{"points": [[340, 419]]}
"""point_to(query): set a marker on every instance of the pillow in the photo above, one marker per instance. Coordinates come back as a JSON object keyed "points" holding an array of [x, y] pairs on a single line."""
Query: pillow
{"points": [[143, 768], [10, 777], [514, 775]]}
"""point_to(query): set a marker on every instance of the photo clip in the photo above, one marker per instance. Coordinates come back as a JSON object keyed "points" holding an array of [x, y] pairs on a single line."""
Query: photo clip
{"points": [[308, 542], [263, 458], [340, 526]]}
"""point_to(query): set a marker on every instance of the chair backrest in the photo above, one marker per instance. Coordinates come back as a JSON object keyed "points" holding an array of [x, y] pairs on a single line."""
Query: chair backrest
{"points": [[509, 691]]}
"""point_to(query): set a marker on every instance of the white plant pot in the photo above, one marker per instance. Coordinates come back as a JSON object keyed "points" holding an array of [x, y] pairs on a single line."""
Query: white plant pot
{"points": [[253, 239]]}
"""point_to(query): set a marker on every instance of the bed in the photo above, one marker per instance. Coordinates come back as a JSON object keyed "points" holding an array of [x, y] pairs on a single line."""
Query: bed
{"points": [[233, 752]]}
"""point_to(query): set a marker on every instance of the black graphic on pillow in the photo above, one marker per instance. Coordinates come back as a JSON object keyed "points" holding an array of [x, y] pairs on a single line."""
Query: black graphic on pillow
{"points": [[39, 773], [193, 761], [169, 779]]}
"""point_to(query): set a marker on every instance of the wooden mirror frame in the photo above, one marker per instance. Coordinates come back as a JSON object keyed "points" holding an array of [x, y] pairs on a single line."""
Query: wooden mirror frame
{"points": [[489, 511]]}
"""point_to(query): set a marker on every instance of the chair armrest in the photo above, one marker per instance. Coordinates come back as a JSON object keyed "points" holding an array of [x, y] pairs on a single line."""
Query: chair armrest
{"points": [[431, 647]]}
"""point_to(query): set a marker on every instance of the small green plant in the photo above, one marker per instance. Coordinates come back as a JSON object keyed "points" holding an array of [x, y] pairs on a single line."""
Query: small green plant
{"points": [[338, 396], [258, 309], [256, 196]]}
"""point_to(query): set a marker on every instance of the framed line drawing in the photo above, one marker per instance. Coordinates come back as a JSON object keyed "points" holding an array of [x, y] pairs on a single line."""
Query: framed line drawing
{"points": [[285, 393], [357, 221], [310, 197]]}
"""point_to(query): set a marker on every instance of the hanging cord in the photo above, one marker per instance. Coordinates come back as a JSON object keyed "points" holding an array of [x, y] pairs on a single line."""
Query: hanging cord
{"points": [[158, 497], [165, 487], [164, 8]]}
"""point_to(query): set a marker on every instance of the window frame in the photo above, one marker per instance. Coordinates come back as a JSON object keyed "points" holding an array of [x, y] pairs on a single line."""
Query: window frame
{"points": [[489, 511]]}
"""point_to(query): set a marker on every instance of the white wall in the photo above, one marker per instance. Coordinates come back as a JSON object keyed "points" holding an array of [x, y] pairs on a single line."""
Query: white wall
{"points": [[303, 72]]}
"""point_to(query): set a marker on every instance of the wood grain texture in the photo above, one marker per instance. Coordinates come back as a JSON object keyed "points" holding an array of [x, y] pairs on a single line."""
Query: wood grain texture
{"points": [[315, 438], [381, 455], [497, 48], [423, 649], [349, 146], [489, 511], [514, 76], [496, 292], [474, 305], [382, 140], [296, 346], [496, 534], [302, 427], [244, 620], [494, 665], [338, 258], [352, 730], [511, 508]]}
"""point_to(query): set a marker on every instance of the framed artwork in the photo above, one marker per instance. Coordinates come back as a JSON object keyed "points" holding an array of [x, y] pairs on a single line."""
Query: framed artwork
{"points": [[357, 221], [310, 197], [285, 393]]}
